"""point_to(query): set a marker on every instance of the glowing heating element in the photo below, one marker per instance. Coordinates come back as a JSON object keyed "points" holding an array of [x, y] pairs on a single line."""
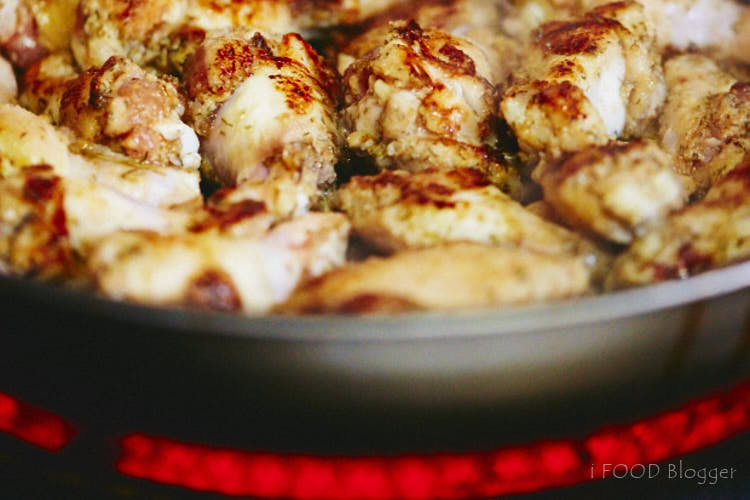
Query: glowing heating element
{"points": [[33, 425], [443, 476]]}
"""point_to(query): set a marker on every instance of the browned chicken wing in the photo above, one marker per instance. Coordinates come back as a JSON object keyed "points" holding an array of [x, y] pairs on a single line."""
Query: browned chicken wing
{"points": [[586, 82], [616, 192], [709, 234], [266, 109], [423, 99], [451, 277], [706, 122], [397, 210]]}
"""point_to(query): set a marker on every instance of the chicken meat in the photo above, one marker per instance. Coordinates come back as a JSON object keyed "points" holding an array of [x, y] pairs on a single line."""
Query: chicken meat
{"points": [[423, 99], [706, 121], [712, 233], [616, 192], [451, 277], [266, 110], [397, 210], [118, 105], [31, 29], [478, 21], [8, 84], [586, 82], [208, 268]]}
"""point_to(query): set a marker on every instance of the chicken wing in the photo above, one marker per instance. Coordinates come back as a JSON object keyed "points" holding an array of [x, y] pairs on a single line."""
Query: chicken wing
{"points": [[27, 140], [136, 29], [423, 99], [210, 269], [709, 234], [397, 210], [478, 21], [616, 192], [266, 109], [586, 82], [451, 277], [706, 119]]}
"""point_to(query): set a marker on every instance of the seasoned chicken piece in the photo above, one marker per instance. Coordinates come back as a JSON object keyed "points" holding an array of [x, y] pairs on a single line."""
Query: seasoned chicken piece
{"points": [[121, 106], [27, 140], [697, 24], [8, 85], [33, 229], [585, 82], [423, 99], [451, 277], [266, 109], [709, 234], [45, 82], [283, 16], [31, 29], [617, 192], [706, 122], [135, 29], [478, 21], [212, 270], [48, 222], [397, 210]]}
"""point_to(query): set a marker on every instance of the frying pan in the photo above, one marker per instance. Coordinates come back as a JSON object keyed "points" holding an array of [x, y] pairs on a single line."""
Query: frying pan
{"points": [[425, 361]]}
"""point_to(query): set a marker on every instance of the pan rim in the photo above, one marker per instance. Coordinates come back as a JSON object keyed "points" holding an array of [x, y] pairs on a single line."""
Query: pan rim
{"points": [[409, 327]]}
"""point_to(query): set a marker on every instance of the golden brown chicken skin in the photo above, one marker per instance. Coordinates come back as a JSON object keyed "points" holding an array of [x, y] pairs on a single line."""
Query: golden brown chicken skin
{"points": [[616, 192], [710, 234], [266, 109], [451, 277], [421, 99], [706, 119], [586, 82]]}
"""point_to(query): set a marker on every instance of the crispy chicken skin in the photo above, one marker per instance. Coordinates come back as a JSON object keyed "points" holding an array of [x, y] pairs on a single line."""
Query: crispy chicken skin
{"points": [[210, 269], [423, 99], [706, 119], [396, 210], [8, 84], [616, 192], [712, 233], [450, 277], [585, 82], [266, 109], [31, 29]]}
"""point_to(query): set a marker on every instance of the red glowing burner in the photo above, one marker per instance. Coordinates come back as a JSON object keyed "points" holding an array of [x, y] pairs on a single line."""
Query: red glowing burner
{"points": [[34, 425]]}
